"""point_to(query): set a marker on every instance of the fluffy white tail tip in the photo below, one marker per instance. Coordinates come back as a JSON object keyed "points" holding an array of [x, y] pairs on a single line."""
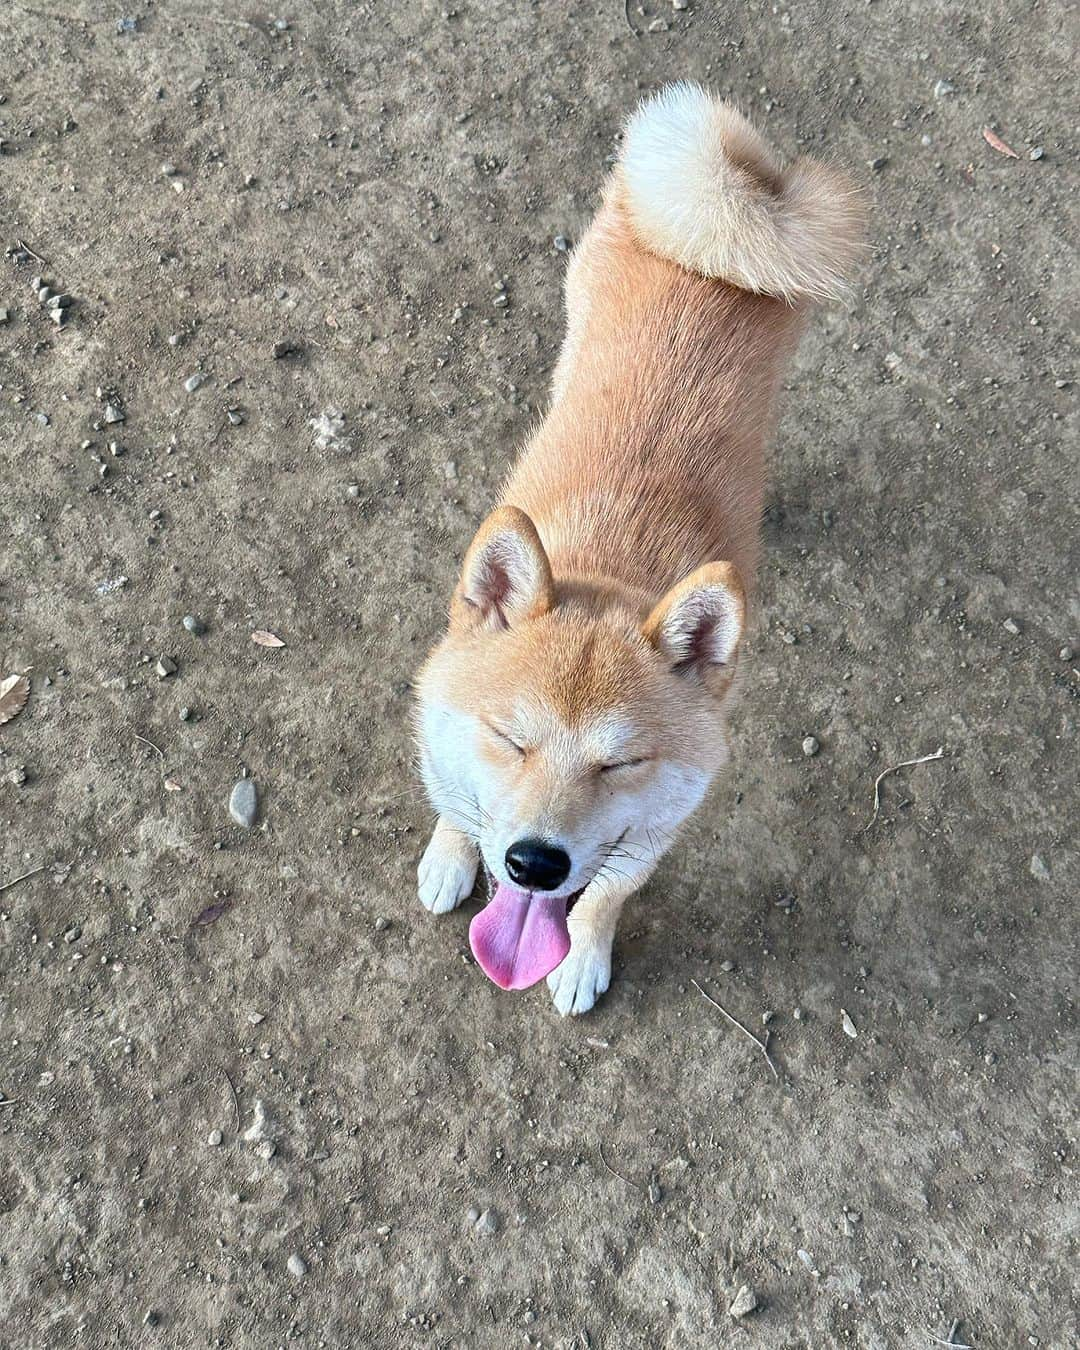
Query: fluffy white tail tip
{"points": [[706, 190]]}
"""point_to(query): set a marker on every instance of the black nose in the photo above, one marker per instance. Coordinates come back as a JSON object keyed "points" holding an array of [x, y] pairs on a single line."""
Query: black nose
{"points": [[536, 865]]}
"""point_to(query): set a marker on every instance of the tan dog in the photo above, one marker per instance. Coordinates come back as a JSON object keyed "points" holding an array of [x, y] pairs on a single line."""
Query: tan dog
{"points": [[574, 714]]}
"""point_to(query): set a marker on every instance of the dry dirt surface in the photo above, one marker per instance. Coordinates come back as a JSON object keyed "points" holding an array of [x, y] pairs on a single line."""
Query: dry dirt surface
{"points": [[251, 1094]]}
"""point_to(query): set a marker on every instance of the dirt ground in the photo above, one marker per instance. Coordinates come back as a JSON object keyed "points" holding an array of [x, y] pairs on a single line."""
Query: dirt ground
{"points": [[315, 1069]]}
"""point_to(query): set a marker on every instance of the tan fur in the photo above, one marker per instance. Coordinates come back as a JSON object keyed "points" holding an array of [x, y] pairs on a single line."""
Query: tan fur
{"points": [[579, 695]]}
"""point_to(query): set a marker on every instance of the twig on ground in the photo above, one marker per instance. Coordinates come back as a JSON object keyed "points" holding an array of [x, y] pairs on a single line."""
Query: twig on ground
{"points": [[625, 1180], [763, 1046], [235, 1098], [906, 764], [626, 16], [27, 249], [10, 1101], [151, 744], [15, 880]]}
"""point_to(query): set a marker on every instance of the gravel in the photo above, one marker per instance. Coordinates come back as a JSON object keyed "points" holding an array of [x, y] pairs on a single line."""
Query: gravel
{"points": [[810, 746], [488, 1224], [297, 1266], [194, 625], [744, 1302], [244, 803], [193, 382]]}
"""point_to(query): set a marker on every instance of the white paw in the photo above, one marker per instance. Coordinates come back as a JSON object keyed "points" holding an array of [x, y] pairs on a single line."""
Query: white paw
{"points": [[583, 976], [446, 873]]}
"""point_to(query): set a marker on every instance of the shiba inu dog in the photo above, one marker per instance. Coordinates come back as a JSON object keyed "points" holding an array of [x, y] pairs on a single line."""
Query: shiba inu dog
{"points": [[574, 714]]}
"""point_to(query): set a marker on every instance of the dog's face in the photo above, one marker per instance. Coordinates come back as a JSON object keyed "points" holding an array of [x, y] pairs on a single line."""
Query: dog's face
{"points": [[564, 735]]}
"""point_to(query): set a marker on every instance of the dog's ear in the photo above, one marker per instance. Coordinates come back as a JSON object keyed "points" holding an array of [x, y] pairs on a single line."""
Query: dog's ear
{"points": [[506, 579], [698, 624]]}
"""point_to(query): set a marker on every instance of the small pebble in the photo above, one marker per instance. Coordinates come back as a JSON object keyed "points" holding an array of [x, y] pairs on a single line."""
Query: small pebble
{"points": [[256, 1017], [1011, 626], [848, 1025], [1066, 654], [680, 4], [656, 1192], [1036, 152], [185, 714], [797, 1014], [165, 667], [879, 162], [488, 1223], [195, 626], [561, 243], [168, 169], [810, 746], [297, 1266], [235, 416], [244, 803], [381, 924], [214, 1138], [727, 966], [113, 414], [744, 1302], [1038, 868], [194, 381], [151, 1318], [943, 88]]}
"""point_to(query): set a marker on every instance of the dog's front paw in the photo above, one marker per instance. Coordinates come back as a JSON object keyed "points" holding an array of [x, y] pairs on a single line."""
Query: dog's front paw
{"points": [[447, 871], [585, 973]]}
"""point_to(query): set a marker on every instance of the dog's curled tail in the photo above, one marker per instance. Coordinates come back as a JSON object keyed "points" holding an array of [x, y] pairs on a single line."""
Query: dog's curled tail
{"points": [[706, 190]]}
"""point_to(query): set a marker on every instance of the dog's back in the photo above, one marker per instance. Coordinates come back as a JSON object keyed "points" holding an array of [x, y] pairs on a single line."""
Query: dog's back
{"points": [[684, 300]]}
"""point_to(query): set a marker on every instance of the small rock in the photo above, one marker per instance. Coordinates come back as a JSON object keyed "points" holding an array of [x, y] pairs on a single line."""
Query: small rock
{"points": [[1011, 626], [297, 1266], [74, 933], [17, 776], [472, 1214], [501, 300], [727, 966], [256, 1017], [381, 924], [286, 347], [1038, 868], [767, 1016], [195, 626], [488, 1223], [797, 1013], [943, 88], [185, 714], [113, 414], [59, 317], [680, 4], [115, 449], [127, 25], [214, 1138], [194, 381], [879, 162], [1036, 152], [165, 667], [744, 1302], [5, 316], [244, 803], [168, 169], [63, 301], [656, 1192], [561, 243], [1066, 654], [151, 1318], [265, 1149], [658, 26], [235, 416], [810, 746], [260, 1127], [849, 1026]]}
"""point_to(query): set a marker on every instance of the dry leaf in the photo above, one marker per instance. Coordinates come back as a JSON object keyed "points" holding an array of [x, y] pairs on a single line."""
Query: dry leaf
{"points": [[211, 913], [14, 691], [994, 141], [266, 639]]}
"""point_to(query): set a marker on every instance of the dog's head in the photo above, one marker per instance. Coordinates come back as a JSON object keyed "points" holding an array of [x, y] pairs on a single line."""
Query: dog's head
{"points": [[563, 731]]}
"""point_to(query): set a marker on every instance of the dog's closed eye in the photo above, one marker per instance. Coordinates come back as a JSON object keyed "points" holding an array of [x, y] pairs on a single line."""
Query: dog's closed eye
{"points": [[624, 764], [506, 738]]}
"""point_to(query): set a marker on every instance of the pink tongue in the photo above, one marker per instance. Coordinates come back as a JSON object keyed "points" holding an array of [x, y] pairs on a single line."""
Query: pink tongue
{"points": [[518, 938]]}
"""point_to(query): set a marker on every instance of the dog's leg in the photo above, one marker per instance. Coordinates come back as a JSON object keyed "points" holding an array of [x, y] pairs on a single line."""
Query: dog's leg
{"points": [[579, 980], [447, 870]]}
